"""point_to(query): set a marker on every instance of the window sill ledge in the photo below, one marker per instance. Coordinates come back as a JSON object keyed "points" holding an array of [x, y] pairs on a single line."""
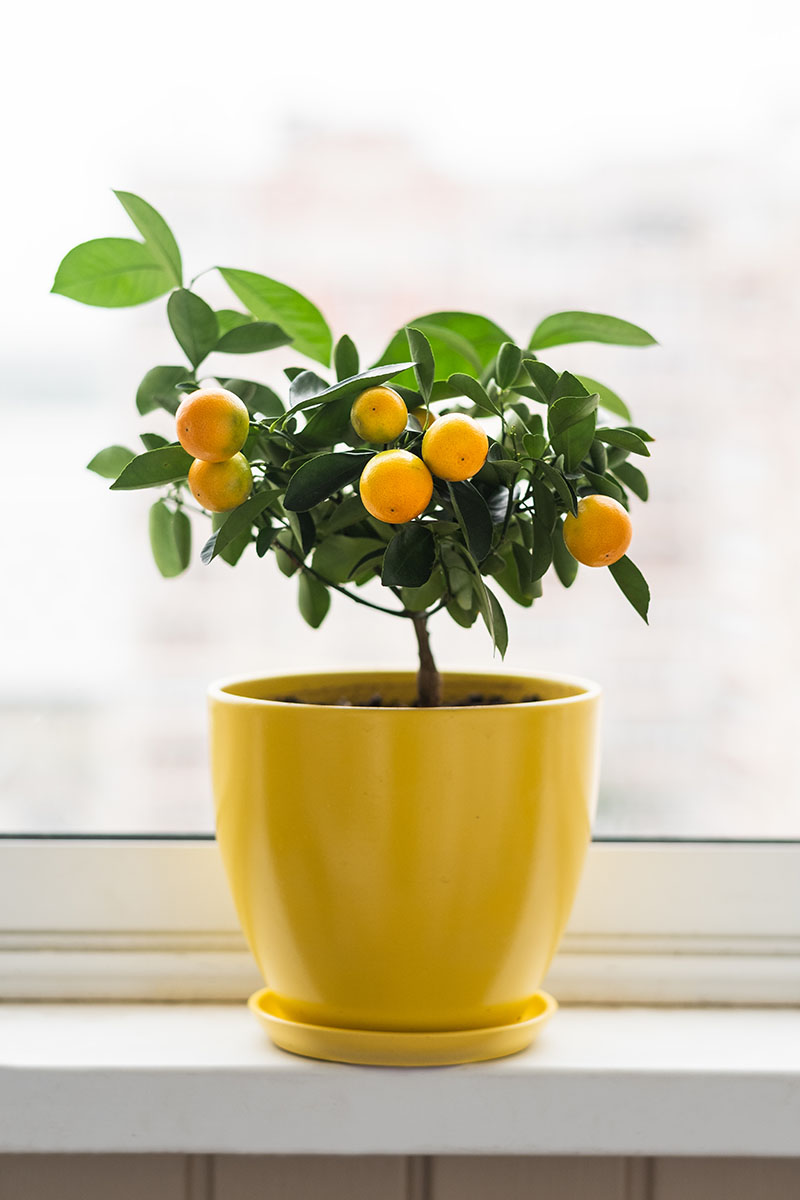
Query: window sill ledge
{"points": [[203, 1079]]}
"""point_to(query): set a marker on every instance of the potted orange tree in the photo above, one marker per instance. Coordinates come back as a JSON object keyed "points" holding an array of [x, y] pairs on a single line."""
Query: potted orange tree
{"points": [[403, 847]]}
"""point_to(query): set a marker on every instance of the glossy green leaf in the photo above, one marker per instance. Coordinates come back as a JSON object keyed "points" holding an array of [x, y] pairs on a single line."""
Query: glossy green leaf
{"points": [[509, 358], [337, 556], [110, 463], [320, 477], [264, 540], [409, 557], [543, 548], [509, 576], [606, 486], [345, 358], [623, 439], [571, 425], [328, 424], [168, 464], [562, 328], [239, 521], [153, 441], [156, 232], [543, 379], [313, 600], [347, 387], [304, 530], [421, 598], [632, 478], [567, 385], [260, 399], [566, 566], [633, 585], [252, 338], [473, 389], [170, 539], [231, 318], [461, 342], [305, 386], [112, 273], [193, 323], [424, 366], [495, 621], [157, 389], [271, 301], [475, 518], [609, 400], [559, 483]]}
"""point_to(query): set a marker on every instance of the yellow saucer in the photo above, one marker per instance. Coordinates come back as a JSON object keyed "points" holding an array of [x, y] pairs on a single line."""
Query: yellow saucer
{"points": [[383, 1048]]}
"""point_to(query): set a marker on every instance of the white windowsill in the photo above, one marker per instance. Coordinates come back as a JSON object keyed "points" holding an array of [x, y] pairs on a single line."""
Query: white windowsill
{"points": [[204, 1079]]}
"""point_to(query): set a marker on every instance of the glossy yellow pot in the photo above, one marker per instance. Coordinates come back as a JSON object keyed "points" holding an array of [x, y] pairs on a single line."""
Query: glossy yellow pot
{"points": [[397, 869]]}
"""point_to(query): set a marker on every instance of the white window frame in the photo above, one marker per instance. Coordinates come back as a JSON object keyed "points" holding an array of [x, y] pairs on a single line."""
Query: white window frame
{"points": [[654, 922]]}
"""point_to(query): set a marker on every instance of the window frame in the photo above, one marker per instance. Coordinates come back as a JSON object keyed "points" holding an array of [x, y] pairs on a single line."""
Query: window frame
{"points": [[151, 919]]}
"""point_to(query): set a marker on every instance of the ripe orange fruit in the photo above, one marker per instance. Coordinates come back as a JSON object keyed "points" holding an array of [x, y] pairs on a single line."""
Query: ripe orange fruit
{"points": [[212, 424], [221, 486], [424, 416], [379, 415], [455, 447], [396, 486], [601, 532]]}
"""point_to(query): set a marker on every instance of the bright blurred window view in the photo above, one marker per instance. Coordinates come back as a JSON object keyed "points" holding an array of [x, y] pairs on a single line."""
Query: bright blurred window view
{"points": [[389, 168]]}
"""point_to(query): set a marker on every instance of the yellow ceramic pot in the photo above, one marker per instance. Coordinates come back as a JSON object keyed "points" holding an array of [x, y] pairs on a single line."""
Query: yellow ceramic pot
{"points": [[403, 870]]}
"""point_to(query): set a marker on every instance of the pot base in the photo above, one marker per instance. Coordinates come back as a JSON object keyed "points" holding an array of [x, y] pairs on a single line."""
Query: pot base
{"points": [[382, 1048]]}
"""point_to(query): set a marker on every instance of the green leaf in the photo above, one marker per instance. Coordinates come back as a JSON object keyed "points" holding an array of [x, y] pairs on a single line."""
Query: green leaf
{"points": [[495, 621], [606, 486], [169, 464], [306, 385], [337, 556], [421, 598], [156, 232], [567, 385], [543, 378], [112, 273], [313, 600], [543, 548], [153, 441], [320, 477], [566, 566], [238, 522], [564, 327], [264, 539], [633, 585], [624, 439], [329, 424], [571, 424], [193, 323], [252, 338], [473, 389], [511, 576], [424, 365], [633, 478], [345, 358], [347, 387], [109, 463], [561, 485], [157, 389], [409, 557], [460, 342], [269, 300], [304, 530], [609, 400], [475, 518], [259, 398], [170, 539], [231, 318], [509, 358]]}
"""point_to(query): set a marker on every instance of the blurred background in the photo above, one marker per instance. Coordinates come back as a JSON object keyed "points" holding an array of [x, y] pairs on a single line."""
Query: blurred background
{"points": [[390, 162]]}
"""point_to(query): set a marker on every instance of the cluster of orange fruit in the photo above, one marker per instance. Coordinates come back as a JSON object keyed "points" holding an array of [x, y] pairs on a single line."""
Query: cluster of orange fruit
{"points": [[212, 425], [395, 486]]}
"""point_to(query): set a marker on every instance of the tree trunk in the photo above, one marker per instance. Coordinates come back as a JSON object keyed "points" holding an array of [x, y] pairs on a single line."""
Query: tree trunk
{"points": [[429, 681]]}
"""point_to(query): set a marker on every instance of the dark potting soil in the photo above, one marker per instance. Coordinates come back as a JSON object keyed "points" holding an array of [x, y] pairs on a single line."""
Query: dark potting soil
{"points": [[473, 700]]}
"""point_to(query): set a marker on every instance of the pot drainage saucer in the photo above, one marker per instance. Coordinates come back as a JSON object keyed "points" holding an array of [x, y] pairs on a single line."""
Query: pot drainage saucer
{"points": [[387, 1048]]}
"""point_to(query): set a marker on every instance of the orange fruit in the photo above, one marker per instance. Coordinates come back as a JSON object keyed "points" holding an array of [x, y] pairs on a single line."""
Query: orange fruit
{"points": [[455, 447], [601, 532], [221, 486], [379, 415], [212, 424], [396, 486], [424, 416]]}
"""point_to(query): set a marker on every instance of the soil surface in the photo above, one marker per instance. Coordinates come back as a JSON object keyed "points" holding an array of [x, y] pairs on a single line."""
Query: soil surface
{"points": [[473, 700]]}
